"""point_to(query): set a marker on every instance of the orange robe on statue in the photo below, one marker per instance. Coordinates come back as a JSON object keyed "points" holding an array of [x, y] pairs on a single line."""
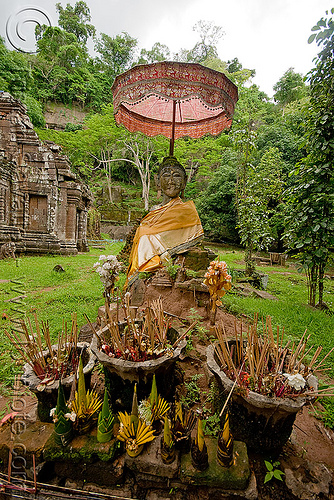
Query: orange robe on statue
{"points": [[164, 232]]}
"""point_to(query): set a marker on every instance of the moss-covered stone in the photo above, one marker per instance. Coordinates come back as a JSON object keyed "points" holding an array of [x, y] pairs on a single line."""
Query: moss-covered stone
{"points": [[25, 439], [82, 448], [235, 477], [198, 258]]}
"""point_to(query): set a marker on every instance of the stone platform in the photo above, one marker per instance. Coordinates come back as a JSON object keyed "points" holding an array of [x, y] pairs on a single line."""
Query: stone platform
{"points": [[235, 477], [85, 461]]}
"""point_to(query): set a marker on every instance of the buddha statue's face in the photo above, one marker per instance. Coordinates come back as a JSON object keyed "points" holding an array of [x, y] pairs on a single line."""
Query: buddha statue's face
{"points": [[172, 182]]}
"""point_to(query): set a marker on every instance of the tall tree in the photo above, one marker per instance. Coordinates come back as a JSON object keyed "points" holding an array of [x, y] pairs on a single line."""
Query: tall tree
{"points": [[289, 88], [206, 48], [256, 202], [15, 73], [158, 52], [116, 53], [216, 205], [76, 20], [254, 228], [310, 219]]}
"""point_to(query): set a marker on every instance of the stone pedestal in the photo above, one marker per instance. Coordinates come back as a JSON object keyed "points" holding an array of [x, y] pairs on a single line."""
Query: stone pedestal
{"points": [[235, 477]]}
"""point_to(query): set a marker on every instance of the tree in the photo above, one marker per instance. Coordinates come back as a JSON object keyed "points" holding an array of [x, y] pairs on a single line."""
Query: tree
{"points": [[289, 88], [237, 73], [252, 206], [206, 48], [158, 52], [310, 214], [15, 73], [256, 203], [75, 20], [216, 205], [116, 53]]}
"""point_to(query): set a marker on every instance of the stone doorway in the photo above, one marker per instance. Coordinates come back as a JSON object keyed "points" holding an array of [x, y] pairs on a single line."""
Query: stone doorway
{"points": [[38, 212]]}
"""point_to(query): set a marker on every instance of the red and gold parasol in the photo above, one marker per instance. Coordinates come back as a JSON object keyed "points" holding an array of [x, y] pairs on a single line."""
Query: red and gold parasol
{"points": [[174, 99]]}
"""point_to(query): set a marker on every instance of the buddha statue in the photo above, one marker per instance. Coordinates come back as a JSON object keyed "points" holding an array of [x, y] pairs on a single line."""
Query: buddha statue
{"points": [[169, 228]]}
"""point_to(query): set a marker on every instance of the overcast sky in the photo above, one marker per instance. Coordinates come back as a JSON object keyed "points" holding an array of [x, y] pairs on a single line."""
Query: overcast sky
{"points": [[269, 36]]}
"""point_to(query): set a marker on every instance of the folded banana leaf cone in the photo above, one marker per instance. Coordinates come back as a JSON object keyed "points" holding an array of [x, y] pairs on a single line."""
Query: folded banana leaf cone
{"points": [[199, 458], [225, 444], [63, 430], [199, 452], [167, 444], [106, 420]]}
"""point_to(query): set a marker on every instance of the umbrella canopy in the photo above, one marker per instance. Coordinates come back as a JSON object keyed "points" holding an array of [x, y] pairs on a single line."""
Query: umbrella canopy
{"points": [[174, 99]]}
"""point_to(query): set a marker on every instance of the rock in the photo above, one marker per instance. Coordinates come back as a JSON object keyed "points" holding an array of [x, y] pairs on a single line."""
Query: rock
{"points": [[235, 477], [58, 269], [164, 495], [25, 439], [83, 449], [106, 473], [250, 493], [7, 250], [198, 258], [75, 485], [309, 482], [124, 491], [138, 290], [263, 295], [86, 334], [150, 462]]}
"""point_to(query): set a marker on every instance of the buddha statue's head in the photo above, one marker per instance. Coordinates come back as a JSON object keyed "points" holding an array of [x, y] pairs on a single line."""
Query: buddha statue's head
{"points": [[172, 179]]}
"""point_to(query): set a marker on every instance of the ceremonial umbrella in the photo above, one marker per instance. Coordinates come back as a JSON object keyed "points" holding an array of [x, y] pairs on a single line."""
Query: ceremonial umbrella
{"points": [[174, 99]]}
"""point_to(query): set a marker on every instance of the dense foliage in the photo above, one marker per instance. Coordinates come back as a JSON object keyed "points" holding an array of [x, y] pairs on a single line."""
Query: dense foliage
{"points": [[310, 226], [236, 179]]}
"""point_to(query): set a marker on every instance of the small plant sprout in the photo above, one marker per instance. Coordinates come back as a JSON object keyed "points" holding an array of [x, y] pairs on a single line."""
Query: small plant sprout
{"points": [[273, 472], [218, 282]]}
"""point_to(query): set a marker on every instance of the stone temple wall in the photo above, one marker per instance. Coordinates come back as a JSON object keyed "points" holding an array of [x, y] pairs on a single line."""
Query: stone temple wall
{"points": [[43, 206]]}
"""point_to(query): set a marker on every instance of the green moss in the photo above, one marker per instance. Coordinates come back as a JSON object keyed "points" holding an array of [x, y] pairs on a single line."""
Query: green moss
{"points": [[82, 448]]}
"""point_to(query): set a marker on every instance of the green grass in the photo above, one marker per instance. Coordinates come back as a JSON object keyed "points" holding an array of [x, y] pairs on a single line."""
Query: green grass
{"points": [[54, 296]]}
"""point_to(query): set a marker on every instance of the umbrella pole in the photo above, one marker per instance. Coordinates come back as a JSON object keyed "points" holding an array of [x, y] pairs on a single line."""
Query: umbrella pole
{"points": [[171, 143]]}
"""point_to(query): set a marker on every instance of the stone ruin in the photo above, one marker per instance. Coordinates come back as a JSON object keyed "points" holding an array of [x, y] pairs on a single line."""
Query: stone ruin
{"points": [[43, 205]]}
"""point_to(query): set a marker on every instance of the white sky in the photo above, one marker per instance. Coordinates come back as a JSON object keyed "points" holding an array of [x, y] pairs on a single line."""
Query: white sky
{"points": [[269, 36]]}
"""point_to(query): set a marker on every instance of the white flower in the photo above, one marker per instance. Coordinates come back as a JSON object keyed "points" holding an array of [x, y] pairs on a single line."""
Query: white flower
{"points": [[96, 264], [102, 257], [296, 381], [52, 412], [71, 416]]}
